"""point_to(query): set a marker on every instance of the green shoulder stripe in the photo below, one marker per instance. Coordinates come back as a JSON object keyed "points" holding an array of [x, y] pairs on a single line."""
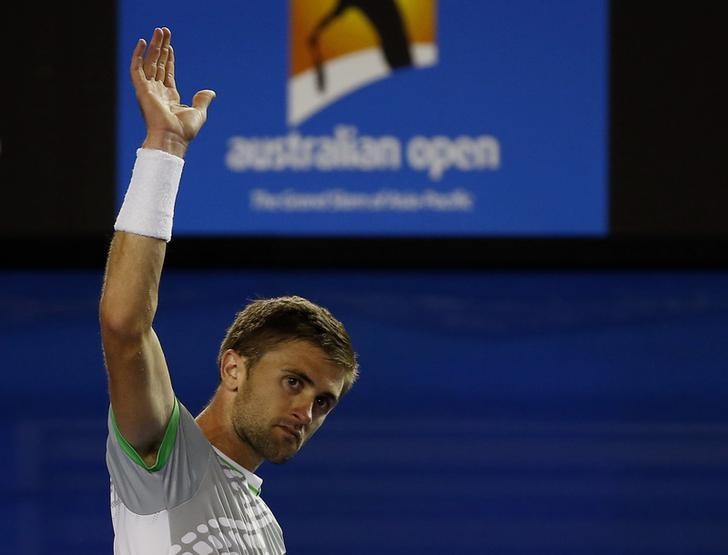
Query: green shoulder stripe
{"points": [[165, 449]]}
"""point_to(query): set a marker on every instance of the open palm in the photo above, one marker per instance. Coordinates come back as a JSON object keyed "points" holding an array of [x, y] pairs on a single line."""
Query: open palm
{"points": [[152, 73]]}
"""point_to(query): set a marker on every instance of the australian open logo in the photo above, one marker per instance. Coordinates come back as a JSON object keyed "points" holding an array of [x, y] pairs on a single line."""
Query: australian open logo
{"points": [[339, 46]]}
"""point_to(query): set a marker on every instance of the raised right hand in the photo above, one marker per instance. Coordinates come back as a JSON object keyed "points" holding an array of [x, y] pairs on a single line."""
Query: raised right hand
{"points": [[170, 125]]}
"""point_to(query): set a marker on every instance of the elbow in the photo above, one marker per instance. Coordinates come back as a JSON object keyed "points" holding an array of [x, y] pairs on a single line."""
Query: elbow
{"points": [[119, 322]]}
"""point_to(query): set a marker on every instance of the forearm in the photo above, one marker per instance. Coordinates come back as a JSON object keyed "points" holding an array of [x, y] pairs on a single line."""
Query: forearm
{"points": [[131, 284], [136, 255]]}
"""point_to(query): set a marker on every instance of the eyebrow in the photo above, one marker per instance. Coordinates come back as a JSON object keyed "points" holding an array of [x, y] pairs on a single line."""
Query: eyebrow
{"points": [[306, 378]]}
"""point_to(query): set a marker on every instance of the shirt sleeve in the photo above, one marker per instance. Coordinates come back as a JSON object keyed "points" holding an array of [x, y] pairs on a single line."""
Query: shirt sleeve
{"points": [[182, 460]]}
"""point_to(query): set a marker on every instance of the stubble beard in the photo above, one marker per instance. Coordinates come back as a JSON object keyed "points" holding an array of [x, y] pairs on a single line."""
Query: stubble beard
{"points": [[253, 429]]}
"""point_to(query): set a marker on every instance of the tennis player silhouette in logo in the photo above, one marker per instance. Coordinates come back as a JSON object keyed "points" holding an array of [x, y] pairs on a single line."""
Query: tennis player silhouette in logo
{"points": [[385, 17]]}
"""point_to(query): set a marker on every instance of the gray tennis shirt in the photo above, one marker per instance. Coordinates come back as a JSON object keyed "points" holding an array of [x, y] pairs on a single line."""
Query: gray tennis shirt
{"points": [[193, 501]]}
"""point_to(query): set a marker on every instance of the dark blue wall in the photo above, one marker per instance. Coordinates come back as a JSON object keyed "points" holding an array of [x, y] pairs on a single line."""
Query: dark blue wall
{"points": [[509, 413]]}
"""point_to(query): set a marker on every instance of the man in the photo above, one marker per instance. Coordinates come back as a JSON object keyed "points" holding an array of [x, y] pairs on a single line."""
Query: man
{"points": [[181, 484]]}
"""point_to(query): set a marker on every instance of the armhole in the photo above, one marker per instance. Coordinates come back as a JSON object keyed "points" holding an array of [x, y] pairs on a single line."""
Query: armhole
{"points": [[165, 449]]}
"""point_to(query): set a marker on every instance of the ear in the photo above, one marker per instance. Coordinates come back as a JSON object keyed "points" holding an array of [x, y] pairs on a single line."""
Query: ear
{"points": [[232, 370]]}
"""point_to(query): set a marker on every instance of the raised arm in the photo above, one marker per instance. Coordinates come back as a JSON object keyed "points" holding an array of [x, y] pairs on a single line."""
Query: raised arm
{"points": [[139, 384]]}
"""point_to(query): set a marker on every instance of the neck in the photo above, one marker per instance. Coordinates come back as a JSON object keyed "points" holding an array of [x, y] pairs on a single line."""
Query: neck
{"points": [[216, 423]]}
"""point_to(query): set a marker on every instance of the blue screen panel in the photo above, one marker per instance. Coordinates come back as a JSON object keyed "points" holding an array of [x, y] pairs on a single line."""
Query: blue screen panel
{"points": [[386, 118]]}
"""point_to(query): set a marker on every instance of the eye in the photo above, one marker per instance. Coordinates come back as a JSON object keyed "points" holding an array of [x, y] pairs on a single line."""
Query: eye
{"points": [[323, 404], [293, 382]]}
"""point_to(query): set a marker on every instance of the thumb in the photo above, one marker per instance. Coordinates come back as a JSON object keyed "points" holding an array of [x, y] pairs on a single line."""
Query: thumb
{"points": [[202, 100]]}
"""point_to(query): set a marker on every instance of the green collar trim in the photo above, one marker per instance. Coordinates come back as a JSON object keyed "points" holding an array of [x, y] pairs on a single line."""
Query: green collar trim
{"points": [[255, 491]]}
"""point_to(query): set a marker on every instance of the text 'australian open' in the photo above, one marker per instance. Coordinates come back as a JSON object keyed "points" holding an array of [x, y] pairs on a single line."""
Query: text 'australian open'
{"points": [[346, 150]]}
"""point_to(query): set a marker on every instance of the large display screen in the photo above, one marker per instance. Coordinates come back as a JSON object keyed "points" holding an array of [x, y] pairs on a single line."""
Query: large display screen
{"points": [[482, 118]]}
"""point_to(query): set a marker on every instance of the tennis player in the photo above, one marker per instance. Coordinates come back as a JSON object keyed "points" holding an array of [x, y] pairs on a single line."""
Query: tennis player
{"points": [[179, 483]]}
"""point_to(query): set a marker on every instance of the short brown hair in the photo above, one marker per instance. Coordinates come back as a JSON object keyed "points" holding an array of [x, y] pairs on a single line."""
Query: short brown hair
{"points": [[266, 323]]}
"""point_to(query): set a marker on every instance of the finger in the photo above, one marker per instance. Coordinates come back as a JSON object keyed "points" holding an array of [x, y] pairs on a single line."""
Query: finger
{"points": [[202, 100], [150, 60], [163, 55], [137, 59], [169, 76]]}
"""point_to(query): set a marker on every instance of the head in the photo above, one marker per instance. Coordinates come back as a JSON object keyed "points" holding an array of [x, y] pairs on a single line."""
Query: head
{"points": [[288, 362]]}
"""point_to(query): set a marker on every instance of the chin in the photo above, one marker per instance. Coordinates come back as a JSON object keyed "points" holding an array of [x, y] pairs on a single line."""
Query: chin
{"points": [[281, 458]]}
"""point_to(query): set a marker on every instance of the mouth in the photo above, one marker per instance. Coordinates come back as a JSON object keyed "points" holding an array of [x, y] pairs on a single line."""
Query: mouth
{"points": [[291, 433]]}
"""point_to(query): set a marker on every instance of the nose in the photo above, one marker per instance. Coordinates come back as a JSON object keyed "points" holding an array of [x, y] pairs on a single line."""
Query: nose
{"points": [[303, 411]]}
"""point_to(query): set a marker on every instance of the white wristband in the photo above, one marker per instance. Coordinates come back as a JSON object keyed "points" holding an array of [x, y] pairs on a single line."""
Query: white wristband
{"points": [[148, 207]]}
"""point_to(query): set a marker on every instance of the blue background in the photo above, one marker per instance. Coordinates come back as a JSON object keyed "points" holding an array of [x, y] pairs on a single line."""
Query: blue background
{"points": [[510, 413], [514, 413], [533, 74]]}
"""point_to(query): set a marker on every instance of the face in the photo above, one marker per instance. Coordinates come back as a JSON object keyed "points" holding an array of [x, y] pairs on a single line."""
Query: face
{"points": [[284, 399]]}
